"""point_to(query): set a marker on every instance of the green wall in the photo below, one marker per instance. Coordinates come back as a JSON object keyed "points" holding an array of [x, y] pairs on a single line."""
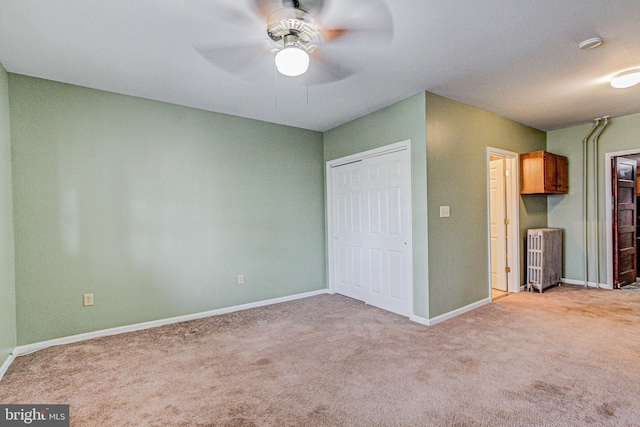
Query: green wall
{"points": [[567, 212], [449, 168], [398, 122], [155, 209], [457, 139], [7, 272]]}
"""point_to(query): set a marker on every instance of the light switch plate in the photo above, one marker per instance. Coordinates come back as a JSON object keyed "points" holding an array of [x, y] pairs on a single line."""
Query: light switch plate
{"points": [[445, 212], [87, 300]]}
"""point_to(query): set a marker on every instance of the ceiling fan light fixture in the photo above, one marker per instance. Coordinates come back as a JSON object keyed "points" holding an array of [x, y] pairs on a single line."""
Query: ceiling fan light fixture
{"points": [[292, 61], [626, 79]]}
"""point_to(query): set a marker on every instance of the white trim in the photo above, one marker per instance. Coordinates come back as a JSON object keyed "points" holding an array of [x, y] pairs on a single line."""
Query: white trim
{"points": [[387, 149], [30, 348], [421, 320], [589, 284], [608, 217], [451, 314], [329, 223], [512, 192], [6, 364], [380, 151]]}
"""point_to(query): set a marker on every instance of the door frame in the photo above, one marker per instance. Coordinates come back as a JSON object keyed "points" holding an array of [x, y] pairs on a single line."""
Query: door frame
{"points": [[608, 183], [512, 185], [331, 256]]}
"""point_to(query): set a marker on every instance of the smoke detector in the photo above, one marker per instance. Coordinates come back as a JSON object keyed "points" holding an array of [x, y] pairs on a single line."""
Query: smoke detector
{"points": [[591, 43]]}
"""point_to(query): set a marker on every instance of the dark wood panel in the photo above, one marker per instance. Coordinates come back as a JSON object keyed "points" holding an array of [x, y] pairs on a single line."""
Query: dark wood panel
{"points": [[562, 174], [624, 221]]}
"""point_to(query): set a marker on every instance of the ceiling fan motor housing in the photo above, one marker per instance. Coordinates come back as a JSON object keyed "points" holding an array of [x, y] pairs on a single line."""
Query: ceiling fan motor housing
{"points": [[291, 26]]}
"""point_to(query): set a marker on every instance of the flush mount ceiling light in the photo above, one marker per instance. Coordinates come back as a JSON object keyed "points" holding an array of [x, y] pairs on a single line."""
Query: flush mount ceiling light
{"points": [[626, 79]]}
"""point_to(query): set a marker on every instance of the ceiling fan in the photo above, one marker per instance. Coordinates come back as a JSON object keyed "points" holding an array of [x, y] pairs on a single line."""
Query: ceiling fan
{"points": [[311, 38]]}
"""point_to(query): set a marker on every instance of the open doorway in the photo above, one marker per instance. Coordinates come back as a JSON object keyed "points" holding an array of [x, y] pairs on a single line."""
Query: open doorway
{"points": [[503, 228], [622, 198]]}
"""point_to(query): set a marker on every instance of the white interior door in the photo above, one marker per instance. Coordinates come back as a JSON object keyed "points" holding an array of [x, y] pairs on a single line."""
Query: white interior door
{"points": [[371, 255], [498, 226], [349, 236]]}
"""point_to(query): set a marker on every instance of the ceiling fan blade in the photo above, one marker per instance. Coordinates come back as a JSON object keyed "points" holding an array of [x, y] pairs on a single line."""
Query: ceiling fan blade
{"points": [[265, 8], [250, 61], [358, 38], [357, 22], [325, 68], [239, 13]]}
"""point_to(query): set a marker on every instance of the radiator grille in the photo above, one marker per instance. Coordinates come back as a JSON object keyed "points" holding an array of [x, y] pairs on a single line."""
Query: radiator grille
{"points": [[544, 258]]}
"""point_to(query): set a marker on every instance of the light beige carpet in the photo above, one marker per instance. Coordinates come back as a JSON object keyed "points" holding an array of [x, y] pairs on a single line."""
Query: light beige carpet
{"points": [[567, 357]]}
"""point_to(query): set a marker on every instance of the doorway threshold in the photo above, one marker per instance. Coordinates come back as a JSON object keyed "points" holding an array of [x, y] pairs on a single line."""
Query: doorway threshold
{"points": [[496, 294]]}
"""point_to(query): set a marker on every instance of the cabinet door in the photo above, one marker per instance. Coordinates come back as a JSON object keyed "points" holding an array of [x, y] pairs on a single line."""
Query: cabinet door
{"points": [[550, 173], [562, 174]]}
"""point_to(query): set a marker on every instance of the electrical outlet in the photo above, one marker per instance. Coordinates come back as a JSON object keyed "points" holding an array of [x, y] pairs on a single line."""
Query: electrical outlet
{"points": [[240, 279], [445, 212], [87, 300]]}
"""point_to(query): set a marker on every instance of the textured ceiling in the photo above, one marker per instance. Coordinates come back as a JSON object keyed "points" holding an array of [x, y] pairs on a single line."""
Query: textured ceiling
{"points": [[519, 59]]}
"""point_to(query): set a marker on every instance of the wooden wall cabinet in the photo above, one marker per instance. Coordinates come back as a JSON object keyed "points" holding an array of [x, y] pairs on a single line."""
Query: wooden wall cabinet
{"points": [[542, 172]]}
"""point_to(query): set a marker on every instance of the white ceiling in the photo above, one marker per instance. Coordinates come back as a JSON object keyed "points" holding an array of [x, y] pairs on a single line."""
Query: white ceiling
{"points": [[516, 58]]}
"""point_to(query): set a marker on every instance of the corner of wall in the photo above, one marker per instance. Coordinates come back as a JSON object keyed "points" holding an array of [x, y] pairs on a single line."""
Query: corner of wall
{"points": [[457, 137], [8, 330], [404, 120]]}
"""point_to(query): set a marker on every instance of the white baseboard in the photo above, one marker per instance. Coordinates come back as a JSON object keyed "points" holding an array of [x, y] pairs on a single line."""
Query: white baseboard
{"points": [[419, 319], [451, 314], [30, 348], [589, 284], [6, 364]]}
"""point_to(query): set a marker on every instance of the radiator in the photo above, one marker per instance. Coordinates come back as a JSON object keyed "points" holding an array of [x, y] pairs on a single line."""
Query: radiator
{"points": [[544, 258]]}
